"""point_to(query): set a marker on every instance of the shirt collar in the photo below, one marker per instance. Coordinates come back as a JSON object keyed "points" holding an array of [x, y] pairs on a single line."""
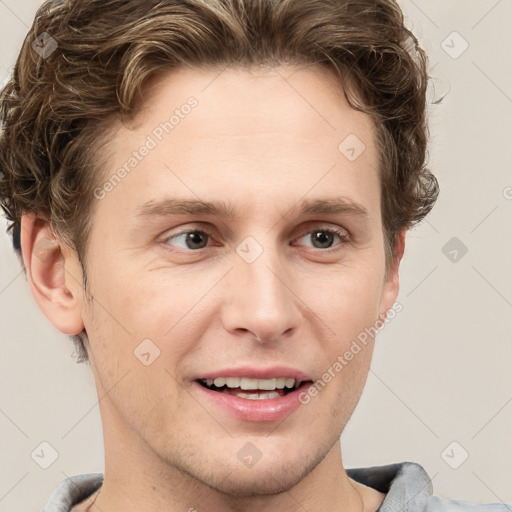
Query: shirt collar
{"points": [[406, 484]]}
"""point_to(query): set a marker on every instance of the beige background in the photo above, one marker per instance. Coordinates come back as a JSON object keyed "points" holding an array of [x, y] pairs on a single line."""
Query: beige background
{"points": [[441, 370]]}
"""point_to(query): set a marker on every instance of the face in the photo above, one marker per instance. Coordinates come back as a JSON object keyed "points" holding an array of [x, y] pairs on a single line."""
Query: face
{"points": [[244, 242]]}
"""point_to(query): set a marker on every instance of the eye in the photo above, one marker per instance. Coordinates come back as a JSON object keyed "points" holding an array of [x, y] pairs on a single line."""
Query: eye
{"points": [[324, 238], [193, 239], [196, 239]]}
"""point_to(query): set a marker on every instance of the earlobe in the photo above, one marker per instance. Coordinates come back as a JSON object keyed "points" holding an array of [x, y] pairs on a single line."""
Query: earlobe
{"points": [[54, 275]]}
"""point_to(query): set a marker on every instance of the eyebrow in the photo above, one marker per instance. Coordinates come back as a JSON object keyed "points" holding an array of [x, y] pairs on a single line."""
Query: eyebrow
{"points": [[173, 206]]}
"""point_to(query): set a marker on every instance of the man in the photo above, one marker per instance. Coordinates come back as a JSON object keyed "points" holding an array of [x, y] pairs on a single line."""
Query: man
{"points": [[211, 198]]}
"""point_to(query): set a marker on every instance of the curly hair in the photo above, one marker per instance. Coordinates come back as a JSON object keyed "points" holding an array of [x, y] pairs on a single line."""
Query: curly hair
{"points": [[96, 56]]}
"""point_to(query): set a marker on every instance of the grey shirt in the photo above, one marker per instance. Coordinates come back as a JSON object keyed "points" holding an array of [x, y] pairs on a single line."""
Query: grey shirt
{"points": [[407, 486]]}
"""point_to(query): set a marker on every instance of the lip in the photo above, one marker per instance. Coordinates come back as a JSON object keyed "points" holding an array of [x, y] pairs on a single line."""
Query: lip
{"points": [[267, 410], [257, 373]]}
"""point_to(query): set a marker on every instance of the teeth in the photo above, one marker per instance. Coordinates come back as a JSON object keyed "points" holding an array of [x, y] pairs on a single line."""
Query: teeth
{"points": [[251, 384], [232, 383], [259, 396], [280, 383], [254, 384]]}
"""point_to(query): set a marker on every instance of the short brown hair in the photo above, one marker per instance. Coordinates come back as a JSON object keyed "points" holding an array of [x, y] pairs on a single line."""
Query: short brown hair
{"points": [[57, 108]]}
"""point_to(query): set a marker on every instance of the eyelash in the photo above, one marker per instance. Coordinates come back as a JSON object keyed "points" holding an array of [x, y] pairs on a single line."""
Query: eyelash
{"points": [[342, 234]]}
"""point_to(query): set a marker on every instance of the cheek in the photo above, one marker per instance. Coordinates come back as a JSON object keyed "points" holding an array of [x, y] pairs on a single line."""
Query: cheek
{"points": [[133, 306], [347, 301]]}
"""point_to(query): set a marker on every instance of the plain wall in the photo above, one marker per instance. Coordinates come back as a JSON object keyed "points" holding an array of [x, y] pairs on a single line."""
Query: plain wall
{"points": [[441, 368]]}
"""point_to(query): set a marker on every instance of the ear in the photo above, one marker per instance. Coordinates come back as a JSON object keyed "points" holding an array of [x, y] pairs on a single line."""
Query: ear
{"points": [[392, 283], [54, 274]]}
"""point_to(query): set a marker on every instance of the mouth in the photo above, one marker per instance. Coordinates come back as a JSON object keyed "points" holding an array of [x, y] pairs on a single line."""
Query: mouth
{"points": [[235, 397], [253, 389], [253, 394]]}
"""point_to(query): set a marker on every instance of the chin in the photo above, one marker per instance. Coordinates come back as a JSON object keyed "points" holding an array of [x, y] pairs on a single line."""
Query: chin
{"points": [[275, 475], [264, 482]]}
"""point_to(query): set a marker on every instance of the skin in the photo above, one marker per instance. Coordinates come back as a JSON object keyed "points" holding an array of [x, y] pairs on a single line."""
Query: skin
{"points": [[263, 140]]}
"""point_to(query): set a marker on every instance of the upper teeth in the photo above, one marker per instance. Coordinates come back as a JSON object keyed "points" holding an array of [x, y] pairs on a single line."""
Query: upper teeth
{"points": [[245, 383]]}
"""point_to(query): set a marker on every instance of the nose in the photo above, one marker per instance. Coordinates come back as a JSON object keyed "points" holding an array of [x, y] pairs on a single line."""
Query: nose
{"points": [[259, 299]]}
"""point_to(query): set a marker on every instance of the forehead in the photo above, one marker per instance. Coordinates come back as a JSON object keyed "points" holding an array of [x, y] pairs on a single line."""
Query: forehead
{"points": [[293, 99], [244, 134]]}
